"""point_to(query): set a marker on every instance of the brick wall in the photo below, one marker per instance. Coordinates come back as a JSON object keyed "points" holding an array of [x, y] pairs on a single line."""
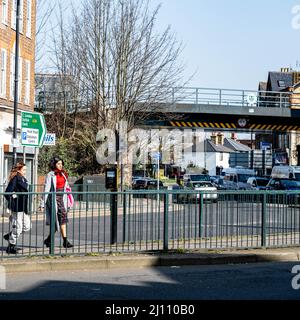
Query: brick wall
{"points": [[27, 52]]}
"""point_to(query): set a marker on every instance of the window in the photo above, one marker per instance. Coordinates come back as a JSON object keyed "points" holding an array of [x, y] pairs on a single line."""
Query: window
{"points": [[3, 73], [281, 84], [221, 156], [12, 77], [4, 11], [28, 19], [14, 14], [21, 16], [27, 82]]}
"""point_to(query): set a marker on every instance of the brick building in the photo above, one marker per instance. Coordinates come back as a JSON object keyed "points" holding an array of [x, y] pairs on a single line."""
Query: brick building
{"points": [[26, 78]]}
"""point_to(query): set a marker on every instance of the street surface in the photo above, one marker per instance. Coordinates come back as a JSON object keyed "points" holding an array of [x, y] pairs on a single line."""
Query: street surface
{"points": [[249, 281]]}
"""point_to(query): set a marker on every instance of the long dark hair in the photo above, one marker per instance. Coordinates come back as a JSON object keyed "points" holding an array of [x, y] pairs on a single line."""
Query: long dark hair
{"points": [[15, 170], [53, 162]]}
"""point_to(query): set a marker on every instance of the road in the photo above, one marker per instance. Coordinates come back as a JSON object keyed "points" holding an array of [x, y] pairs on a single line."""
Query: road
{"points": [[250, 281]]}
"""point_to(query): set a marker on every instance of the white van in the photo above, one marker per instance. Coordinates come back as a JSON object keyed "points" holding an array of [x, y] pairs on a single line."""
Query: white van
{"points": [[286, 172], [236, 178]]}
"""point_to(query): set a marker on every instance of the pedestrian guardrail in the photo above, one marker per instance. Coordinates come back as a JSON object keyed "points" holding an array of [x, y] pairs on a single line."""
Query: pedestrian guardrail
{"points": [[53, 101], [140, 221]]}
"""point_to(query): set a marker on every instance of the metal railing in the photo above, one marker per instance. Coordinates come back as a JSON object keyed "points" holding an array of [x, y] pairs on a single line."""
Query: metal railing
{"points": [[52, 101], [234, 97], [165, 220]]}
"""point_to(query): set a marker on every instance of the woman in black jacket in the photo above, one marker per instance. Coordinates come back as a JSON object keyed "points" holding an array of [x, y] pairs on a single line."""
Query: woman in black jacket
{"points": [[18, 204]]}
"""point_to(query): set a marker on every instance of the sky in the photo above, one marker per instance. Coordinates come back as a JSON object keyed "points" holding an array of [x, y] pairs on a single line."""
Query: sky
{"points": [[232, 43]]}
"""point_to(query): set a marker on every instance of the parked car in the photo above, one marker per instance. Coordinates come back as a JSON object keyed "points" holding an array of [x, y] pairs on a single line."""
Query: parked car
{"points": [[258, 183], [212, 195], [279, 184], [287, 172], [219, 183], [236, 178], [283, 184], [146, 184]]}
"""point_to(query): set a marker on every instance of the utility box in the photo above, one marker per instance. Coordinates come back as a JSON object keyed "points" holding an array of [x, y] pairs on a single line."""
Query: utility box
{"points": [[92, 184]]}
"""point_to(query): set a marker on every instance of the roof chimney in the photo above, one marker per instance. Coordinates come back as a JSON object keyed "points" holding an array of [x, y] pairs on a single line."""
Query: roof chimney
{"points": [[233, 136], [220, 138], [214, 138], [284, 70]]}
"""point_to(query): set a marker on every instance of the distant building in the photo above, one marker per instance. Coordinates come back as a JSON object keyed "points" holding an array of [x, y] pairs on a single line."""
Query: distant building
{"points": [[281, 88], [53, 92]]}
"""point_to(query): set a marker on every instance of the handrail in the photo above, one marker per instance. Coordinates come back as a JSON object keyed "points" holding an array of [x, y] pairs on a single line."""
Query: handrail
{"points": [[190, 95]]}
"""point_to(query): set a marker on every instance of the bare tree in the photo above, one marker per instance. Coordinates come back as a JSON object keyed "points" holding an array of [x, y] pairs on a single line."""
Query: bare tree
{"points": [[44, 10], [121, 67]]}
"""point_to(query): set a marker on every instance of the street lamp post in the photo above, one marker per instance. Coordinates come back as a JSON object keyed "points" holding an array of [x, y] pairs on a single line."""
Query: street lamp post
{"points": [[16, 83]]}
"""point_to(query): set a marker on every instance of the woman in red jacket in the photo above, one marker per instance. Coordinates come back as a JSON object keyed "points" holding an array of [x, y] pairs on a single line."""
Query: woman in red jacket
{"points": [[57, 181]]}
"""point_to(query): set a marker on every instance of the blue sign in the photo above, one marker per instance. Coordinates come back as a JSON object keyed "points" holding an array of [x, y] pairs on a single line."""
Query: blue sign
{"points": [[49, 139], [156, 155], [265, 146]]}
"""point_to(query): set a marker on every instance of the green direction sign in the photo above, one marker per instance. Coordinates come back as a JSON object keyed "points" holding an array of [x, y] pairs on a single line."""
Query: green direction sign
{"points": [[33, 129]]}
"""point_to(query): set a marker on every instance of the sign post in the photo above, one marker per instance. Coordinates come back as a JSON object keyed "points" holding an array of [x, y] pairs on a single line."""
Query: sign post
{"points": [[156, 156]]}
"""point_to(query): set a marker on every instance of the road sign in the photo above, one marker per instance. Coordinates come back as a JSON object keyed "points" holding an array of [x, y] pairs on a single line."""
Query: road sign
{"points": [[156, 155], [265, 146], [33, 129], [252, 99], [15, 143], [49, 139]]}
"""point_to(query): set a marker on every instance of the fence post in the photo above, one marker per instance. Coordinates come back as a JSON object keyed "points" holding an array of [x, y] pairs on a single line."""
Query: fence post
{"points": [[166, 222], [197, 93], [124, 217], [243, 98], [200, 214], [113, 217], [52, 222], [263, 220], [280, 100]]}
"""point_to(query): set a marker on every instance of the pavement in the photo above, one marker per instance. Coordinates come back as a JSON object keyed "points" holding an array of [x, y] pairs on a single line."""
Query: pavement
{"points": [[146, 260]]}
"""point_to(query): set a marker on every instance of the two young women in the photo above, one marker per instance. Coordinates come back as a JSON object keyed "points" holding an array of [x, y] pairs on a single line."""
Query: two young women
{"points": [[17, 197]]}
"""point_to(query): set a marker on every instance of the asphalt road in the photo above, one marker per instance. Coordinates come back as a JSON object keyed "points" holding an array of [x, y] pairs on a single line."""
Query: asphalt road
{"points": [[250, 281]]}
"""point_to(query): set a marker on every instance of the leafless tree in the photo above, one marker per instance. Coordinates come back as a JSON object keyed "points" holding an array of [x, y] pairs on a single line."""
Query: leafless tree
{"points": [[122, 68], [44, 13]]}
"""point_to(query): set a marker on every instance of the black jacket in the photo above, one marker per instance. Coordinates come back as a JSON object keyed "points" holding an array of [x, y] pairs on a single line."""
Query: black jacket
{"points": [[18, 202]]}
